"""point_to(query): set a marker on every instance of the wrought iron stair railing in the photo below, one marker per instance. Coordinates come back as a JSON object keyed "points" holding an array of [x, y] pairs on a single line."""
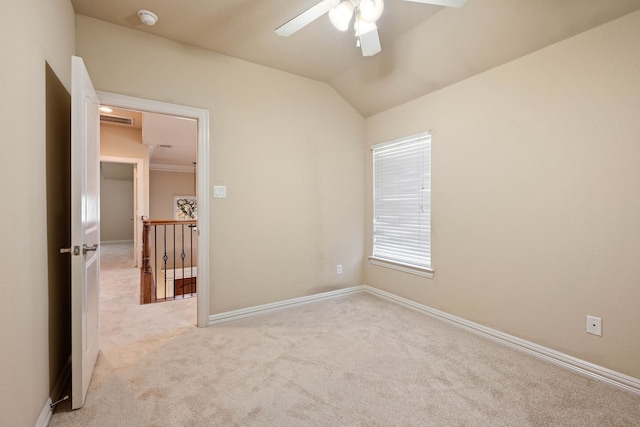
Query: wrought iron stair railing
{"points": [[169, 260]]}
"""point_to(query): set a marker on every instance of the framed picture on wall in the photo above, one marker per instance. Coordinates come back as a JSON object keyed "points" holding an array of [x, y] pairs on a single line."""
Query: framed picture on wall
{"points": [[185, 208]]}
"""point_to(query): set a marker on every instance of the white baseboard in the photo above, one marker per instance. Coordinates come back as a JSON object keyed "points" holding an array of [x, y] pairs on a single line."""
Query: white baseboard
{"points": [[115, 242], [58, 388], [580, 366], [577, 365], [45, 415], [280, 305]]}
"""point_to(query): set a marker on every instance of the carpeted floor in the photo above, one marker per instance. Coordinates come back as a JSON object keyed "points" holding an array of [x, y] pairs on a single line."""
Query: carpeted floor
{"points": [[351, 361]]}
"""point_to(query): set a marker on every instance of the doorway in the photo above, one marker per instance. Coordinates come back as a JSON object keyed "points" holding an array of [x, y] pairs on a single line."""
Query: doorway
{"points": [[118, 207], [202, 184]]}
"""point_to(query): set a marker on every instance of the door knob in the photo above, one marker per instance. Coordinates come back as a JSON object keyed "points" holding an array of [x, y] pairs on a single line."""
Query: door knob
{"points": [[86, 248]]}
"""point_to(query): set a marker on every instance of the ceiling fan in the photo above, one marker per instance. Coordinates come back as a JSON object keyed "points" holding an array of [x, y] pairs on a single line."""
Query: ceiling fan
{"points": [[364, 13]]}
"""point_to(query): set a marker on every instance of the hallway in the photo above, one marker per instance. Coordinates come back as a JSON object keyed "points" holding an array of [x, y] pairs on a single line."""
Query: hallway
{"points": [[122, 319]]}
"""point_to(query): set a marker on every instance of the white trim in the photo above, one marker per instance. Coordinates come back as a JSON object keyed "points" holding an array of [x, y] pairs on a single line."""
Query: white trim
{"points": [[583, 367], [419, 271], [202, 116], [177, 273], [229, 316], [579, 366], [115, 242], [45, 415], [202, 193], [410, 138], [58, 388], [171, 168]]}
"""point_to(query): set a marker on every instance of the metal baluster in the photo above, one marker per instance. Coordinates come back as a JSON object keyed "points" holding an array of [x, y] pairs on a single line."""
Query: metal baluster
{"points": [[165, 257], [174, 261], [194, 280], [155, 258], [182, 256]]}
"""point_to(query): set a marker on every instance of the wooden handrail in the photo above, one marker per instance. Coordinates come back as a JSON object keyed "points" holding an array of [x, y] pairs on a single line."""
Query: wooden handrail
{"points": [[169, 221]]}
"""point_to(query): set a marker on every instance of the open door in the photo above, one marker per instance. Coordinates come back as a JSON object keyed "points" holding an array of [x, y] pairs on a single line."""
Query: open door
{"points": [[85, 230]]}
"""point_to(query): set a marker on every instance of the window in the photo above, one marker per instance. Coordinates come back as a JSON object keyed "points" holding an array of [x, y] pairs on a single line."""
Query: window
{"points": [[402, 204]]}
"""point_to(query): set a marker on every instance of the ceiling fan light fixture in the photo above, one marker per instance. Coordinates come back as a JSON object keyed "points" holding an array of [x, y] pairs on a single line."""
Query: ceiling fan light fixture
{"points": [[341, 12], [370, 10], [361, 27], [340, 16]]}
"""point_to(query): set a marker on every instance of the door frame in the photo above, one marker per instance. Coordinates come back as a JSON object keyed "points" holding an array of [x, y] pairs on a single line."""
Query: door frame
{"points": [[141, 205], [202, 189]]}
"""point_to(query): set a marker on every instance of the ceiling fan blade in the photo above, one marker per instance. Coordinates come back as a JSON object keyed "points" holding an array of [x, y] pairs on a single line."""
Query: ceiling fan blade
{"points": [[450, 3], [306, 17], [370, 43]]}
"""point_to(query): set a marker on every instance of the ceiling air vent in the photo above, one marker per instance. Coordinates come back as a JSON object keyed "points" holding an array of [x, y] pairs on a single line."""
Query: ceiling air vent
{"points": [[127, 121]]}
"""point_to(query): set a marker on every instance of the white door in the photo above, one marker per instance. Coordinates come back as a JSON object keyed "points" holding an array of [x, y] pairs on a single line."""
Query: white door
{"points": [[85, 230]]}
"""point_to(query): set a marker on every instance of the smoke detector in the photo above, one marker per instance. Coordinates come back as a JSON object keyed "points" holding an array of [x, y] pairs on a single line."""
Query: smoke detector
{"points": [[147, 17]]}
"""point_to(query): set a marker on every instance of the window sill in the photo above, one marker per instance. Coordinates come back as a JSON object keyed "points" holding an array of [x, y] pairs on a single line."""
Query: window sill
{"points": [[420, 271]]}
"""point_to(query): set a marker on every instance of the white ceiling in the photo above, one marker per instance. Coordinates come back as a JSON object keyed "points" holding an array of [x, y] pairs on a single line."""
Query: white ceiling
{"points": [[172, 141], [424, 47]]}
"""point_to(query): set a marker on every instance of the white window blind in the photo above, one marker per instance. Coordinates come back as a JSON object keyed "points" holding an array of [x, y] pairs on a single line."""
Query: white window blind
{"points": [[402, 201]]}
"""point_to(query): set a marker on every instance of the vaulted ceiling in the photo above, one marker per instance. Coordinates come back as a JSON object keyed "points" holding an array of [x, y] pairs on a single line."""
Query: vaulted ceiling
{"points": [[424, 47]]}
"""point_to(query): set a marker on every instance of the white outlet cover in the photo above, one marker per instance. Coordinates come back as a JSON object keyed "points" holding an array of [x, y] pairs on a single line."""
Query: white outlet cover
{"points": [[594, 325]]}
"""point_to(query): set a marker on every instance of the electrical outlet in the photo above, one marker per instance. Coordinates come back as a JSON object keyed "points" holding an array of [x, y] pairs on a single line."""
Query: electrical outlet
{"points": [[594, 325], [339, 269]]}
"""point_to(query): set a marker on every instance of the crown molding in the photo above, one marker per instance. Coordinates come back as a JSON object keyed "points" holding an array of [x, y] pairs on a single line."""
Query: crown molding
{"points": [[170, 168]]}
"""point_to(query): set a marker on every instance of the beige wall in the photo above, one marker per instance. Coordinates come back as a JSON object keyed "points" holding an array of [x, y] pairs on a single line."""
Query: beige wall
{"points": [[116, 208], [120, 141], [33, 33], [536, 196], [289, 150], [163, 186]]}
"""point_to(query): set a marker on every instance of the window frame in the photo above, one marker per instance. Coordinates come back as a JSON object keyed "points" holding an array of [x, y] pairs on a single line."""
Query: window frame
{"points": [[407, 267]]}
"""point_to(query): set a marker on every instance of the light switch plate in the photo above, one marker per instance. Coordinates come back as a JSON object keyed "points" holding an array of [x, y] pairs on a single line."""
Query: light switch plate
{"points": [[219, 191]]}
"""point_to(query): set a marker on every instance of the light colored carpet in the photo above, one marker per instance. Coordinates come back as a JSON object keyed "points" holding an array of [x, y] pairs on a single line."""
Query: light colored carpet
{"points": [[352, 361]]}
